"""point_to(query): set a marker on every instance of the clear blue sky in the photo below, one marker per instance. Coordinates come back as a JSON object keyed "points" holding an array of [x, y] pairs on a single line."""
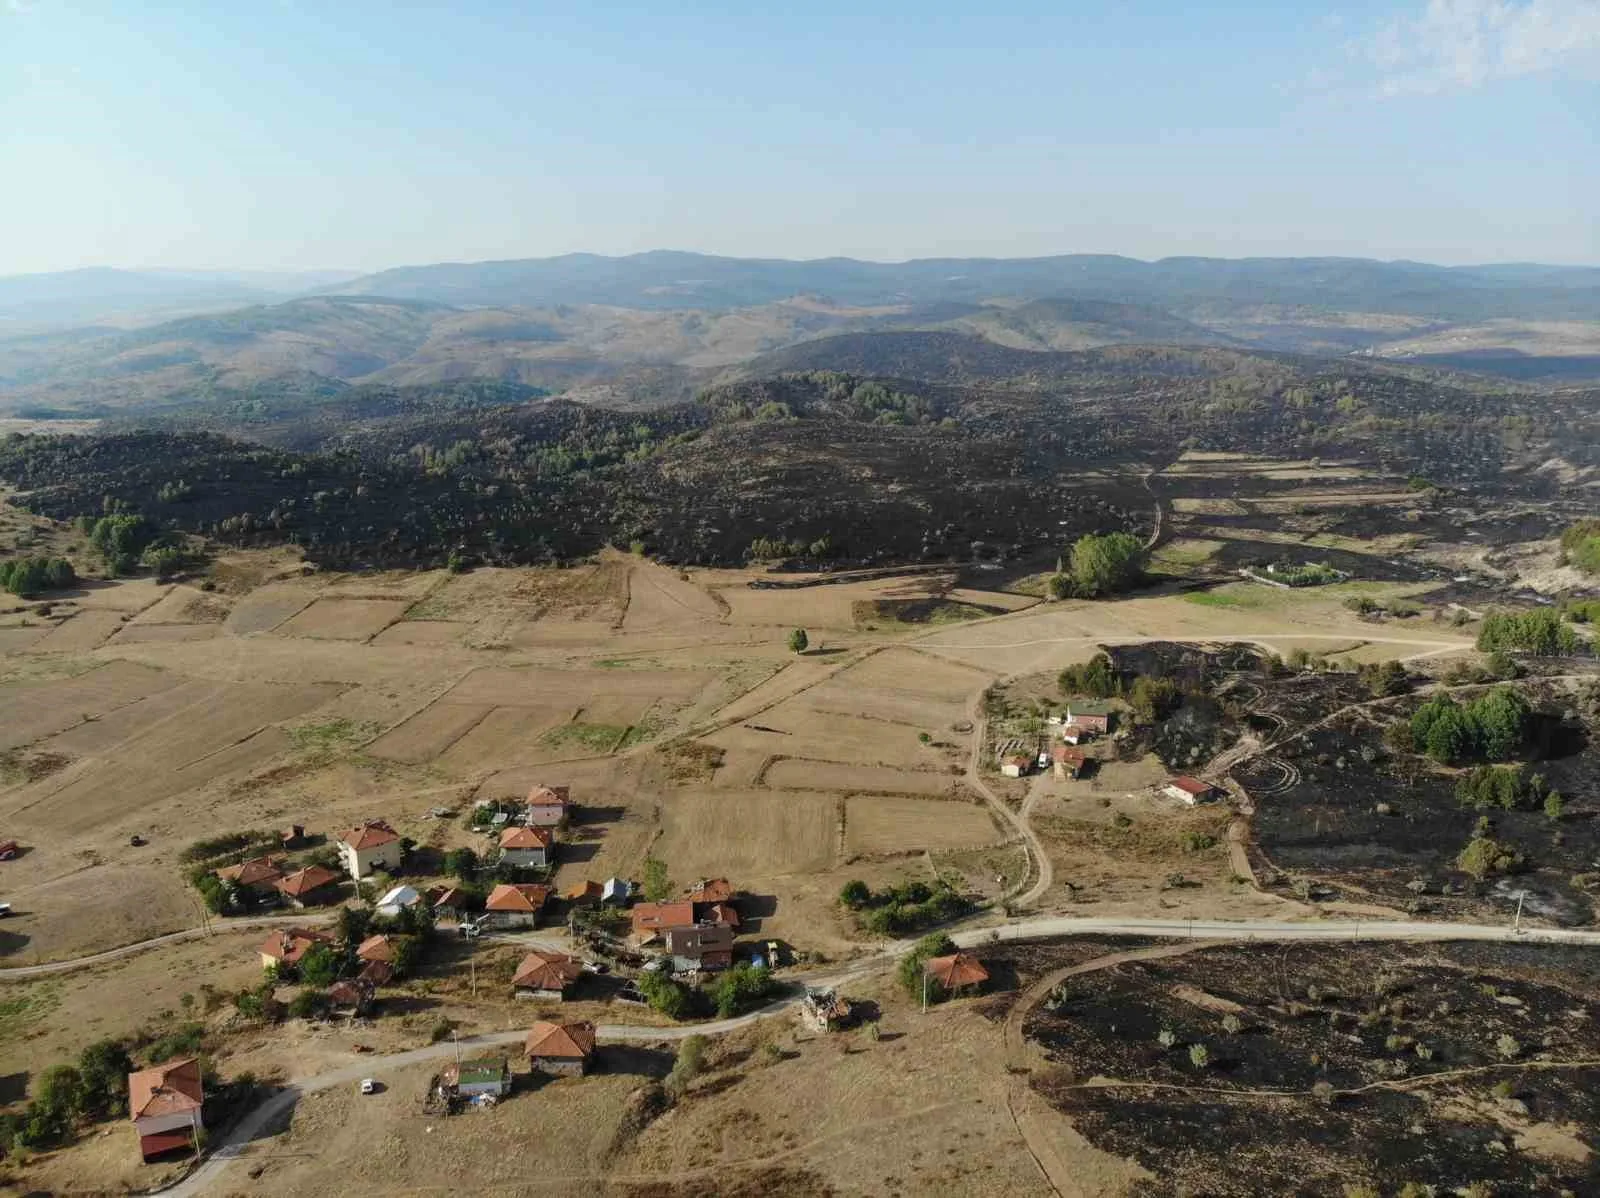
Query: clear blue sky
{"points": [[340, 133]]}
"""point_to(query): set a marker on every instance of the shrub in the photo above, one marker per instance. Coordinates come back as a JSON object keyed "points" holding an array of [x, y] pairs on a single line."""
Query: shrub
{"points": [[657, 884], [320, 966], [910, 968], [664, 994], [690, 1061], [309, 1004], [741, 988], [855, 894], [441, 1030], [798, 641], [1484, 857], [1539, 633], [1104, 565], [1153, 699], [1096, 678], [28, 576], [1199, 1056]]}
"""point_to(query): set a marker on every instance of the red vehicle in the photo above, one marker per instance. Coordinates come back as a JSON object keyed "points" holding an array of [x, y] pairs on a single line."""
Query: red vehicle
{"points": [[8, 849]]}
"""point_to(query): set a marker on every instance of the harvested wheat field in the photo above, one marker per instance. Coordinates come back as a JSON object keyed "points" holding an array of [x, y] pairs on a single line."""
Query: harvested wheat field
{"points": [[889, 824], [751, 834], [797, 773], [343, 619]]}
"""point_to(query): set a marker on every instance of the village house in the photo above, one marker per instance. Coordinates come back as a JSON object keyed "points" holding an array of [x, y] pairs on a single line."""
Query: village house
{"points": [[564, 1049], [396, 901], [651, 919], [702, 946], [259, 876], [584, 894], [369, 846], [617, 892], [956, 972], [376, 948], [1067, 762], [526, 848], [287, 945], [353, 995], [1017, 765], [515, 904], [1094, 717], [474, 1077], [312, 886], [547, 806], [1190, 790], [545, 975], [165, 1103], [712, 899]]}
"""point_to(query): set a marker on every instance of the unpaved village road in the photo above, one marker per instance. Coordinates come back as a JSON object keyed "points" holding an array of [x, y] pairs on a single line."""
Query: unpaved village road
{"points": [[204, 1179]]}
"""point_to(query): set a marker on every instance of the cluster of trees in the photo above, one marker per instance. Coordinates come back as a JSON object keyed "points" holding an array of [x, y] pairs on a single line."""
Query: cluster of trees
{"points": [[1493, 726], [1384, 678], [65, 1096], [907, 907], [1097, 678], [1309, 574], [28, 576], [1539, 633], [1100, 564], [119, 538], [772, 549], [1509, 787], [1485, 857], [1580, 545], [741, 988]]}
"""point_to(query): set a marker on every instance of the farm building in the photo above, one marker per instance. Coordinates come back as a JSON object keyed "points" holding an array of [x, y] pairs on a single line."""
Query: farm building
{"points": [[372, 845], [956, 972], [376, 948], [545, 975], [526, 847], [584, 894], [702, 946], [1094, 717], [1190, 790], [450, 903], [548, 806], [1067, 762], [287, 945], [515, 904], [1076, 734], [617, 892], [397, 900], [1016, 765], [312, 886], [354, 995], [564, 1049], [165, 1104], [259, 875], [475, 1076]]}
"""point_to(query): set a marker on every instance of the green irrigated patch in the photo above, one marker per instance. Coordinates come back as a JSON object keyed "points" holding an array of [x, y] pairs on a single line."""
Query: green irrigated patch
{"points": [[1217, 599], [331, 734], [601, 738]]}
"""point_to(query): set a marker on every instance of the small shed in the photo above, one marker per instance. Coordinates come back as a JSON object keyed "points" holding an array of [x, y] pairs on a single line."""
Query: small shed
{"points": [[956, 972], [564, 1049], [397, 900], [1016, 766], [1190, 790], [617, 892], [825, 1011], [474, 1076], [1067, 762]]}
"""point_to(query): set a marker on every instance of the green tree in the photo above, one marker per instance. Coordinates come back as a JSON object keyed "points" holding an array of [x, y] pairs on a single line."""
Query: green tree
{"points": [[103, 1069], [1554, 807], [354, 925], [1199, 1056], [1153, 699], [741, 988], [1501, 717], [909, 970], [461, 864], [657, 883], [855, 893], [1104, 565], [798, 641], [1097, 678], [664, 994], [320, 966], [690, 1061]]}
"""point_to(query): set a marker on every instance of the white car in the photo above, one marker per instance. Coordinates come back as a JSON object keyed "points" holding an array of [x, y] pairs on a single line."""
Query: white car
{"points": [[369, 1085], [5, 910]]}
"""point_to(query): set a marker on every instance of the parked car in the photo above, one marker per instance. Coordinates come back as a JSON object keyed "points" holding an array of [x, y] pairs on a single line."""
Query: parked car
{"points": [[369, 1085], [5, 910]]}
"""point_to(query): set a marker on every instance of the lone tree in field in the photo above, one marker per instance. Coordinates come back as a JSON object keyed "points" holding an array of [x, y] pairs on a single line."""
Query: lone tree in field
{"points": [[798, 640], [1103, 565]]}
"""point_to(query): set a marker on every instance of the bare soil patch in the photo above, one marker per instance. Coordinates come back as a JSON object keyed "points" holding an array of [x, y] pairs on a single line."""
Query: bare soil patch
{"points": [[803, 774], [343, 619]]}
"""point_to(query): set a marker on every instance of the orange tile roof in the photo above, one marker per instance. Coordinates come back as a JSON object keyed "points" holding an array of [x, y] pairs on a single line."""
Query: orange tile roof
{"points": [[312, 877], [290, 944], [1068, 756], [955, 971], [376, 948], [584, 890], [546, 971], [526, 838], [517, 897], [563, 1041], [652, 917], [1192, 786], [170, 1088], [254, 872], [369, 835], [549, 796]]}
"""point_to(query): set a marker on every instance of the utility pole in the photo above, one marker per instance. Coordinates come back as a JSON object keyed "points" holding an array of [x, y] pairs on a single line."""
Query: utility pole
{"points": [[924, 991], [1516, 922]]}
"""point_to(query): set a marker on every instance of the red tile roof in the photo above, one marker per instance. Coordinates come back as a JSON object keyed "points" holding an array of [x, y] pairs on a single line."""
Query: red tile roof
{"points": [[170, 1088], [257, 871], [584, 891], [562, 1041], [1068, 756], [653, 917], [517, 897], [711, 890], [451, 896], [526, 838], [546, 971], [549, 796], [1191, 786], [312, 877], [369, 835], [290, 944], [955, 971], [376, 948]]}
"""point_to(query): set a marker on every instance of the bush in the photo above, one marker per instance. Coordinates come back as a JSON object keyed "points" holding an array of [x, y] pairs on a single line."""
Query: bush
{"points": [[657, 885], [1153, 699], [855, 894], [741, 988], [1096, 678], [664, 994], [798, 641], [441, 1031], [1385, 679], [1507, 787], [1483, 858], [28, 576], [309, 1004], [103, 1070], [320, 966], [690, 1061], [1539, 633]]}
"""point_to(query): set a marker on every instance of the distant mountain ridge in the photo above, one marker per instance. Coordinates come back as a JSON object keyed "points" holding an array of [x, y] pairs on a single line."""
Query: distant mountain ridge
{"points": [[674, 279]]}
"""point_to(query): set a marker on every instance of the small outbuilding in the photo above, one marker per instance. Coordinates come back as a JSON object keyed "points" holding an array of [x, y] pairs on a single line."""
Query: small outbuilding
{"points": [[473, 1077], [565, 1049], [1191, 790], [1017, 765], [397, 900], [1067, 762], [956, 972]]}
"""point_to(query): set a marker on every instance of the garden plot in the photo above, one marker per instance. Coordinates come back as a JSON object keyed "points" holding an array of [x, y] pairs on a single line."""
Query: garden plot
{"points": [[422, 632], [747, 834], [623, 711], [1004, 600], [908, 670], [429, 733], [888, 824], [499, 686], [793, 773], [1195, 505], [28, 713], [343, 619], [106, 732], [265, 608], [78, 634]]}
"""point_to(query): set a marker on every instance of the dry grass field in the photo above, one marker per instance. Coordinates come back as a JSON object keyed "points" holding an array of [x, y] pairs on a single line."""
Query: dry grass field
{"points": [[888, 824]]}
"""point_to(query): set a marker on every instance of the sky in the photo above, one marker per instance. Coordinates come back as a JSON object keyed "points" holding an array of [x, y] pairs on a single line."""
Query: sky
{"points": [[303, 134]]}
